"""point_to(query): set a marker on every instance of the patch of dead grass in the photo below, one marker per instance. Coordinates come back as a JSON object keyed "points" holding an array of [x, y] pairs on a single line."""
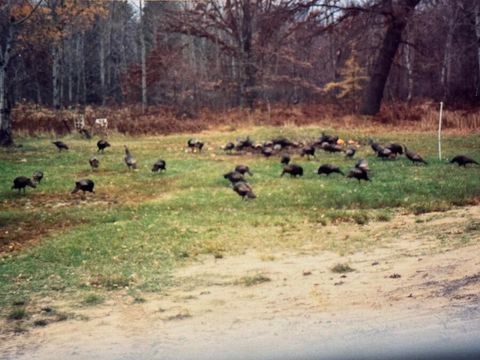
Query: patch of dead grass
{"points": [[24, 234]]}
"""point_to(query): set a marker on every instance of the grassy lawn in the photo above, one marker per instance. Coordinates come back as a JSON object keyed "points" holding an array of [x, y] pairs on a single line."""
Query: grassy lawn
{"points": [[139, 225]]}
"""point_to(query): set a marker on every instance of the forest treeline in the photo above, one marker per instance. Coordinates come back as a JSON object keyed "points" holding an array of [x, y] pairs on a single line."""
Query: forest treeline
{"points": [[222, 54]]}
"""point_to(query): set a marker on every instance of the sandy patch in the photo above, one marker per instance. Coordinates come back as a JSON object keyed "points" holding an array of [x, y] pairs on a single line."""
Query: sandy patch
{"points": [[415, 284]]}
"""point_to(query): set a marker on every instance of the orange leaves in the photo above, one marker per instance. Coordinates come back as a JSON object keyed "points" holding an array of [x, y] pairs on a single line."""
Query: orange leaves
{"points": [[52, 22], [20, 11]]}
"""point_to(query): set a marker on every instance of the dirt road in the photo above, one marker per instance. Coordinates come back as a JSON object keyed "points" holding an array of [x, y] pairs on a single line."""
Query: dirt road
{"points": [[419, 291]]}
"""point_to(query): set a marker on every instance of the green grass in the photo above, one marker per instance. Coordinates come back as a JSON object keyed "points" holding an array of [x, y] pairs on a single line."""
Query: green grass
{"points": [[93, 299], [140, 225]]}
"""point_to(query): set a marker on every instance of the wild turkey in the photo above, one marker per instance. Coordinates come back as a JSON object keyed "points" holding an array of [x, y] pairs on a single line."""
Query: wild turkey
{"points": [[94, 163], [243, 169], [195, 144], [84, 185], [244, 190], [37, 176], [245, 143], [130, 160], [21, 182], [267, 151], [386, 153], [160, 165], [234, 177], [285, 160], [350, 152], [331, 139], [376, 147], [292, 169], [229, 147], [358, 174], [102, 145], [283, 142], [414, 157], [362, 164], [331, 148], [277, 147], [327, 169], [397, 149], [307, 150], [199, 145], [60, 145], [191, 143], [463, 160]]}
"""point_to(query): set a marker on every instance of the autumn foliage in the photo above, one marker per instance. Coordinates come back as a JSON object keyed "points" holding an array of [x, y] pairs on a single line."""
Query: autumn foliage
{"points": [[161, 67]]}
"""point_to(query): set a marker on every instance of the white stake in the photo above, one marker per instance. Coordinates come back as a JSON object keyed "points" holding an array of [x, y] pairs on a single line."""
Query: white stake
{"points": [[440, 131]]}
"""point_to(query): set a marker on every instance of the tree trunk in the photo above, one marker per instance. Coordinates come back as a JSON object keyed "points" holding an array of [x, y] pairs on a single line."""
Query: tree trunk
{"points": [[409, 58], [38, 92], [447, 55], [55, 65], [78, 60], [249, 69], [56, 76], [374, 93], [62, 73], [83, 75], [70, 72], [409, 65], [143, 55], [5, 119], [107, 92], [477, 33], [102, 67]]}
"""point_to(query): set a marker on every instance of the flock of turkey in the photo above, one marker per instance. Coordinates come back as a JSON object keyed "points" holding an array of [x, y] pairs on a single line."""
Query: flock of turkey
{"points": [[279, 146]]}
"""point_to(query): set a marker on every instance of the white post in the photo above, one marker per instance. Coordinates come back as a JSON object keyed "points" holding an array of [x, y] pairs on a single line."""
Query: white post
{"points": [[440, 131]]}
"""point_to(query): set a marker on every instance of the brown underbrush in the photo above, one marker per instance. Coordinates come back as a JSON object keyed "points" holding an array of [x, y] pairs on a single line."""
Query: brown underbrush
{"points": [[419, 116]]}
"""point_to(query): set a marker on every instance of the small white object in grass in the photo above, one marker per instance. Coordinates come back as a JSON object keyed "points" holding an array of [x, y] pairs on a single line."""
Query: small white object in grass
{"points": [[23, 160]]}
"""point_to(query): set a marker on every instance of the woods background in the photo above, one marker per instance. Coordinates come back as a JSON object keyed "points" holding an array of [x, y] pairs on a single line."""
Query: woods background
{"points": [[182, 58]]}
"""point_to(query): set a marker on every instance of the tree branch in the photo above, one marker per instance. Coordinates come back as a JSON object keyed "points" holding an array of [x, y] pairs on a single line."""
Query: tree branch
{"points": [[21, 21]]}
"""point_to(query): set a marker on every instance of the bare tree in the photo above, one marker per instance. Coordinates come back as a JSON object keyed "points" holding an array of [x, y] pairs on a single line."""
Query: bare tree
{"points": [[397, 17], [447, 57], [477, 34], [9, 24], [248, 34], [143, 56], [227, 53]]}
